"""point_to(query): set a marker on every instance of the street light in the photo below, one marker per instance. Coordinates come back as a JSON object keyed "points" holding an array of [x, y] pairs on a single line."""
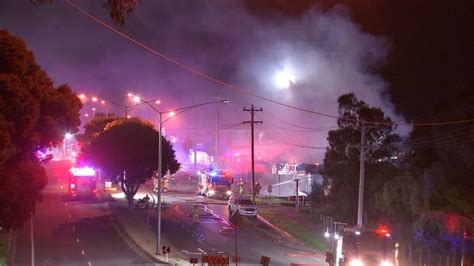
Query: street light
{"points": [[160, 130], [125, 108], [284, 78]]}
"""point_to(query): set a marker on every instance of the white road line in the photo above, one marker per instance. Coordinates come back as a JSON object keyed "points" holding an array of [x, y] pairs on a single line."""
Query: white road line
{"points": [[191, 253], [65, 203], [69, 215], [73, 228], [32, 243], [89, 263], [83, 253], [77, 240]]}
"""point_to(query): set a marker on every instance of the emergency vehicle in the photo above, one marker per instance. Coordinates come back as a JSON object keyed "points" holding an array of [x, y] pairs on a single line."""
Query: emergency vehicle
{"points": [[216, 183], [362, 247], [82, 182]]}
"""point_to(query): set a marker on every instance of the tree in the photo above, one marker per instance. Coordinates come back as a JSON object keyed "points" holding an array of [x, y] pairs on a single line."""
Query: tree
{"points": [[118, 8], [129, 148], [442, 156], [93, 128], [341, 161], [401, 200], [32, 114]]}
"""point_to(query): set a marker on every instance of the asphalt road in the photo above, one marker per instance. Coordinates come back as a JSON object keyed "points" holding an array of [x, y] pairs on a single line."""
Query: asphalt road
{"points": [[254, 238], [66, 232]]}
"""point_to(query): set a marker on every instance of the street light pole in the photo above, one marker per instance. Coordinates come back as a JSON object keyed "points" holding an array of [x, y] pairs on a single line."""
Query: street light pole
{"points": [[160, 162], [158, 205]]}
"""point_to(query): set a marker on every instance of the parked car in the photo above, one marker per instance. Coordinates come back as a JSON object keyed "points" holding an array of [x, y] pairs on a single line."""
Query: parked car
{"points": [[242, 204]]}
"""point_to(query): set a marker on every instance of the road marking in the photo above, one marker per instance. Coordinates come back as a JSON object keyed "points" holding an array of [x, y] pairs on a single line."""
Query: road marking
{"points": [[69, 215], [89, 263], [77, 240], [73, 228], [83, 253], [191, 253], [32, 243], [65, 203]]}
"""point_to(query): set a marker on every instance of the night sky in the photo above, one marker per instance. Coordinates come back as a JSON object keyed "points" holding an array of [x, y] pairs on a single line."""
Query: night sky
{"points": [[402, 56]]}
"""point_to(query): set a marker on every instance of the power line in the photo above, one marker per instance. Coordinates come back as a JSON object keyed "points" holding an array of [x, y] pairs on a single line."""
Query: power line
{"points": [[203, 127], [282, 121], [446, 143], [295, 130], [245, 91], [439, 137], [288, 141]]}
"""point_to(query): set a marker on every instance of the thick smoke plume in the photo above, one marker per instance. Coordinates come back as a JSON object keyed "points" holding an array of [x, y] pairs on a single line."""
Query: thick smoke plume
{"points": [[327, 53]]}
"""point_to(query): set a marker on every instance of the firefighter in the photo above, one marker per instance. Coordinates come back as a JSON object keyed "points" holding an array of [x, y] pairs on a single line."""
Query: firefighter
{"points": [[195, 215], [397, 254], [257, 189], [241, 185], [164, 184]]}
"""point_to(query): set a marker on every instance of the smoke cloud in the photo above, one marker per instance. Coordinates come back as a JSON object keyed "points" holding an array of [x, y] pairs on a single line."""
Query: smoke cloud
{"points": [[326, 52]]}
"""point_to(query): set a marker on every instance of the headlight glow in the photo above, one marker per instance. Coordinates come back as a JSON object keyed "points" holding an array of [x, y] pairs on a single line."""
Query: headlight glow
{"points": [[386, 263], [212, 192], [356, 262], [228, 192]]}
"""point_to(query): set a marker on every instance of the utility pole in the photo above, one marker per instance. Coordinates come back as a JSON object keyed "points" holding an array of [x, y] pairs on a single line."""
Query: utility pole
{"points": [[252, 122], [216, 163], [362, 149]]}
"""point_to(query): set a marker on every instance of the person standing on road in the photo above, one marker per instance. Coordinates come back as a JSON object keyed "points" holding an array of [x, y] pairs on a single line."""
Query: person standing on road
{"points": [[195, 215], [257, 189], [241, 185]]}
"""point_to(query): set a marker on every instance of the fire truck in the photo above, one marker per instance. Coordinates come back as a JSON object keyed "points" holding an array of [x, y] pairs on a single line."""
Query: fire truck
{"points": [[216, 183], [361, 247], [82, 182]]}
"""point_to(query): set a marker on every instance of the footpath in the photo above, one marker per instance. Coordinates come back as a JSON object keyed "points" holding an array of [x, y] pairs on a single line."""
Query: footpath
{"points": [[137, 226]]}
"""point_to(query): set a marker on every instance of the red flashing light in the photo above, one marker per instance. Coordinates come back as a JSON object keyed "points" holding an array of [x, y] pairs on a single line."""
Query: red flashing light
{"points": [[383, 231]]}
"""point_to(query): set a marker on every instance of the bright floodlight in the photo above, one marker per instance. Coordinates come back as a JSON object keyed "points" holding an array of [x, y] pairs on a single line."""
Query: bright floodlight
{"points": [[94, 99], [130, 94], [284, 79], [136, 99], [102, 102], [172, 113], [82, 96], [82, 171], [157, 101], [68, 136]]}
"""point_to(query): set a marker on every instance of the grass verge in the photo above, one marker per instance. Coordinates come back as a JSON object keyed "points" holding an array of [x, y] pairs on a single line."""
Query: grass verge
{"points": [[313, 239], [3, 247]]}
